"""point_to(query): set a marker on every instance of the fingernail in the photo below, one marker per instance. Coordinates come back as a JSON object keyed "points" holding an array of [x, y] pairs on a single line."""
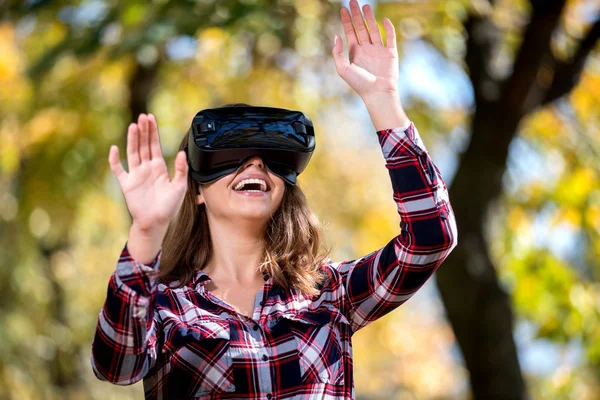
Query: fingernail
{"points": [[334, 40]]}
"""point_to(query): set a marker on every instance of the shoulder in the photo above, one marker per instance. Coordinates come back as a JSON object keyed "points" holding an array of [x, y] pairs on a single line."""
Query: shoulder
{"points": [[331, 289], [173, 298]]}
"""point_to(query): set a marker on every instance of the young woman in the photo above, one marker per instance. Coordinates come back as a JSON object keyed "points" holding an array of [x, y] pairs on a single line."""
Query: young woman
{"points": [[223, 293]]}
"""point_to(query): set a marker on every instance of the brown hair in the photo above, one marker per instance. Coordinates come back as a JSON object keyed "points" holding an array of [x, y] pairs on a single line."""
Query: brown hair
{"points": [[293, 254]]}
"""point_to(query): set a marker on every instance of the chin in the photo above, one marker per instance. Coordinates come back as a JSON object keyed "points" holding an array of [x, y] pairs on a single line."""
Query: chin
{"points": [[257, 216]]}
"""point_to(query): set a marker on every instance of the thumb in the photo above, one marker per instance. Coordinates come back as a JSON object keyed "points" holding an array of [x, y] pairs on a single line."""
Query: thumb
{"points": [[341, 63], [181, 167], [115, 163]]}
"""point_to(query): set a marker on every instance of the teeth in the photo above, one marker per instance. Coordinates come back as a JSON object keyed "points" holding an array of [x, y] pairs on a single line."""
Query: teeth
{"points": [[263, 185]]}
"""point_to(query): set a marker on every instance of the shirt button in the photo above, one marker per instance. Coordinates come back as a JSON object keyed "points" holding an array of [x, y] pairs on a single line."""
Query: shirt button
{"points": [[264, 357], [262, 303], [255, 327], [269, 395]]}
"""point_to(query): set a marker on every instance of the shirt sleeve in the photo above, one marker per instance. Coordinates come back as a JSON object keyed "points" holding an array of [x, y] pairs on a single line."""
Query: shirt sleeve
{"points": [[377, 283], [125, 344]]}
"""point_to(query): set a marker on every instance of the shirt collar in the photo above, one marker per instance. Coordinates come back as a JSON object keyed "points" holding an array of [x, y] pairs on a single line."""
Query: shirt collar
{"points": [[201, 278]]}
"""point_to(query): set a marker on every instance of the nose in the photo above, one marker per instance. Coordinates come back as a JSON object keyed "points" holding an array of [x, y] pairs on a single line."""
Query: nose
{"points": [[255, 161]]}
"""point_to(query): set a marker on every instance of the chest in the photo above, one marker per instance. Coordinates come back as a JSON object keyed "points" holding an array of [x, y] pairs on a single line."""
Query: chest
{"points": [[285, 350], [242, 300]]}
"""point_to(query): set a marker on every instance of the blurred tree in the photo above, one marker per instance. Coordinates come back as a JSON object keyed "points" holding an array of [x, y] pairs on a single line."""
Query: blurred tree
{"points": [[68, 69], [69, 52], [519, 56], [477, 306]]}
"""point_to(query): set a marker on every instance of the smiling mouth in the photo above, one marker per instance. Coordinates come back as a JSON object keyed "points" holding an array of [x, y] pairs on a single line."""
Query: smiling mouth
{"points": [[252, 186]]}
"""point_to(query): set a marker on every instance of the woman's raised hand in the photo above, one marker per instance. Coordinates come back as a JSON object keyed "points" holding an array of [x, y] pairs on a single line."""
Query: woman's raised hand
{"points": [[152, 198], [373, 66]]}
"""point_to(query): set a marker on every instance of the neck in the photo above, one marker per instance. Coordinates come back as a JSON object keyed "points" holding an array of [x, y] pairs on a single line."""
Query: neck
{"points": [[237, 251]]}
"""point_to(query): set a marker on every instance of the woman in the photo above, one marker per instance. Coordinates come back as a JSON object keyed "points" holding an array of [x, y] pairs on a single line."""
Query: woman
{"points": [[244, 304]]}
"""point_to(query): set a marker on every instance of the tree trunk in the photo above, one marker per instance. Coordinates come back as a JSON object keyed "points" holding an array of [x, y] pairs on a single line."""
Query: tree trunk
{"points": [[141, 84], [477, 307]]}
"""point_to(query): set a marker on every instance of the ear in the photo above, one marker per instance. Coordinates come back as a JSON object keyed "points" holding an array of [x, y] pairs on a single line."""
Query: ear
{"points": [[199, 197]]}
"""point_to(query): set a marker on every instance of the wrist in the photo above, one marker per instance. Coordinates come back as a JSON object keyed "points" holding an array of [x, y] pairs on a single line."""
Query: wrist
{"points": [[145, 244], [378, 98], [148, 231], [386, 110]]}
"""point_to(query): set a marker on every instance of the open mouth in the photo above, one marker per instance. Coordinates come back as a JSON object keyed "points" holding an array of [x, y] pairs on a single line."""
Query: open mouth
{"points": [[252, 185]]}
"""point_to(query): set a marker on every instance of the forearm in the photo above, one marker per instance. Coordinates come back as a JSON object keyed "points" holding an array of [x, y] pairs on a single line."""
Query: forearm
{"points": [[124, 345], [427, 219], [144, 245], [386, 111], [123, 351], [383, 280]]}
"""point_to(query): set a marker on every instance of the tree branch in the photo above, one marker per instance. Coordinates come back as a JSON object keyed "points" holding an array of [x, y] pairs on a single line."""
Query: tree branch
{"points": [[567, 74], [482, 34], [535, 50]]}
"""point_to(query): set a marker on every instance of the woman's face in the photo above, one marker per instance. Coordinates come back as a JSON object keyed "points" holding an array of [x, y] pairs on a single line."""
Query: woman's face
{"points": [[250, 193]]}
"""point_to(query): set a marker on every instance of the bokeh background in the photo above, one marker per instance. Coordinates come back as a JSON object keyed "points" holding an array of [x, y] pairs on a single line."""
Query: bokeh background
{"points": [[506, 94]]}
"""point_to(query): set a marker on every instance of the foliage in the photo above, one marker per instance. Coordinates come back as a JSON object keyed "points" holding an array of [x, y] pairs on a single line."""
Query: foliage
{"points": [[65, 82]]}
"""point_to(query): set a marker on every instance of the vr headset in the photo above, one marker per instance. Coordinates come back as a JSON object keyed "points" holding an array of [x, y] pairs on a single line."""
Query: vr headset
{"points": [[221, 139]]}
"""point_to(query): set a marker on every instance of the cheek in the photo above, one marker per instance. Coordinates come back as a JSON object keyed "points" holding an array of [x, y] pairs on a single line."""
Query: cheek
{"points": [[214, 194], [279, 198]]}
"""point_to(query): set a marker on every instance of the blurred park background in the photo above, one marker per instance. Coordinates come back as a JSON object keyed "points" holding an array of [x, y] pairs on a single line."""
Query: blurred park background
{"points": [[506, 94]]}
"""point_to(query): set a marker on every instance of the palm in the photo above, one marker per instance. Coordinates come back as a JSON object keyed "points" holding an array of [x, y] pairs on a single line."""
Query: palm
{"points": [[149, 193], [152, 197], [373, 67]]}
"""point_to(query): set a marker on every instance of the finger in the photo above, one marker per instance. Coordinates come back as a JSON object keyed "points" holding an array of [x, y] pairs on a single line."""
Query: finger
{"points": [[144, 141], [181, 167], [341, 62], [155, 150], [359, 23], [351, 37], [372, 25], [115, 163], [133, 138], [390, 33]]}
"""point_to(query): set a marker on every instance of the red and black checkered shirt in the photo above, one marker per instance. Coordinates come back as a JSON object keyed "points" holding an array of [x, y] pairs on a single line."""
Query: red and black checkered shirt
{"points": [[186, 343]]}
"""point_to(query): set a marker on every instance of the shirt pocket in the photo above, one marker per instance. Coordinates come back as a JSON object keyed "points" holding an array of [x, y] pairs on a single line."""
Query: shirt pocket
{"points": [[201, 363], [318, 337]]}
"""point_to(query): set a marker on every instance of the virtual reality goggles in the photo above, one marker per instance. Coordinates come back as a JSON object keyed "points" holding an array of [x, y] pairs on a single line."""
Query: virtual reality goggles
{"points": [[221, 139]]}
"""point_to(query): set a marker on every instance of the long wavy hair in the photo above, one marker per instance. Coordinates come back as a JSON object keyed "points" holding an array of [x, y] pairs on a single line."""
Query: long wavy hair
{"points": [[293, 241]]}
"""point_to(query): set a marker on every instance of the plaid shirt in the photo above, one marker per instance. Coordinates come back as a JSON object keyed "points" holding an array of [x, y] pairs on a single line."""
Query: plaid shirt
{"points": [[186, 343]]}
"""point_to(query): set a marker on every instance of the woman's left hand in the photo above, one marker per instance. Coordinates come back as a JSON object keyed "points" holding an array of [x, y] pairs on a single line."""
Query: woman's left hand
{"points": [[373, 67]]}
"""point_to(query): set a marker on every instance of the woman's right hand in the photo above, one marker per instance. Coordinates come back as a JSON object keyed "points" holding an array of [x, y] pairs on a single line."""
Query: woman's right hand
{"points": [[153, 199]]}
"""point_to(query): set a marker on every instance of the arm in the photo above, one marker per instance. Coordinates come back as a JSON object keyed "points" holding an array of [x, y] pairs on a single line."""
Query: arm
{"points": [[381, 281], [125, 344]]}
